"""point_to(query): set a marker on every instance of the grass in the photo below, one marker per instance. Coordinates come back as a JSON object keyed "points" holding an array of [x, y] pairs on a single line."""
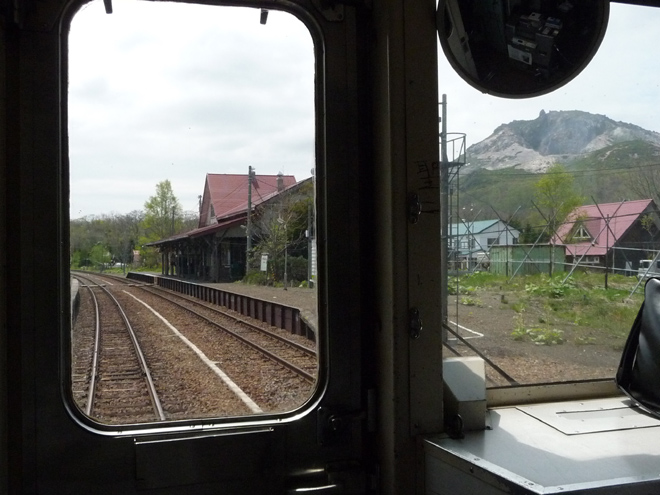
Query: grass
{"points": [[581, 301]]}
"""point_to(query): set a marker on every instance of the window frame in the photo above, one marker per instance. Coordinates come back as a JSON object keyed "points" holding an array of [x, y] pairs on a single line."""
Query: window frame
{"points": [[324, 389]]}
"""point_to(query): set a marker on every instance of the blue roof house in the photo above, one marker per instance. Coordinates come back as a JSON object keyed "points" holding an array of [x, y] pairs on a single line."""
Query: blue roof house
{"points": [[471, 240]]}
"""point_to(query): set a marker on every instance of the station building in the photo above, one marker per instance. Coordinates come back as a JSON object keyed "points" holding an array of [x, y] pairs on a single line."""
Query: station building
{"points": [[216, 251]]}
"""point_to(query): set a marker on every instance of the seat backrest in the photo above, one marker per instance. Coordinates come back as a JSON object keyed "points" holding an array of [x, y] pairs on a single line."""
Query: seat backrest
{"points": [[638, 375]]}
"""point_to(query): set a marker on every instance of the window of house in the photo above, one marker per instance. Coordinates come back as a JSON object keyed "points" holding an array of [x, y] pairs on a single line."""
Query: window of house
{"points": [[581, 234], [533, 163], [170, 108], [225, 250]]}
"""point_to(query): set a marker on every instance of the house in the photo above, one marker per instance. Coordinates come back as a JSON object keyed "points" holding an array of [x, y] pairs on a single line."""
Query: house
{"points": [[617, 235], [217, 249], [470, 241]]}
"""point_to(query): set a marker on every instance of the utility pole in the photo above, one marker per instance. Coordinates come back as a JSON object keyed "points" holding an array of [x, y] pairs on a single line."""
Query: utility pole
{"points": [[309, 246], [283, 222], [286, 249], [607, 249], [248, 230]]}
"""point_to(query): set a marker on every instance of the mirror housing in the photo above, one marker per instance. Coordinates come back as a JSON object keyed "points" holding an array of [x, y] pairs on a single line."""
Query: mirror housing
{"points": [[520, 48]]}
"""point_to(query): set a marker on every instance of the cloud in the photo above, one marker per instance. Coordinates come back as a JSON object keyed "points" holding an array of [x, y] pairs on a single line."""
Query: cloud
{"points": [[160, 90], [163, 90]]}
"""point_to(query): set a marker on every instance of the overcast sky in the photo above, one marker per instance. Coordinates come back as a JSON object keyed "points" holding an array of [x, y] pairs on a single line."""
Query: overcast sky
{"points": [[166, 91], [171, 91]]}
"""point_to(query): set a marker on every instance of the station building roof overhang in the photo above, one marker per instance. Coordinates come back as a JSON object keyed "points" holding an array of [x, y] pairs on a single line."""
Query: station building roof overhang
{"points": [[201, 232]]}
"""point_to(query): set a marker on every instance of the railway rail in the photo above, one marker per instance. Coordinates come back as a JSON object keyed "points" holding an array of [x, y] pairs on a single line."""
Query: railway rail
{"points": [[262, 383], [295, 357], [119, 377]]}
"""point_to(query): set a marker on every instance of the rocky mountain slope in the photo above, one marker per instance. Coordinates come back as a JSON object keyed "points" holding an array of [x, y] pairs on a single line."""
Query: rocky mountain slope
{"points": [[553, 137]]}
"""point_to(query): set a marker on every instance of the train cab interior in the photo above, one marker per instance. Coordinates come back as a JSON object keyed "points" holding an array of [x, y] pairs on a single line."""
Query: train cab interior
{"points": [[393, 411]]}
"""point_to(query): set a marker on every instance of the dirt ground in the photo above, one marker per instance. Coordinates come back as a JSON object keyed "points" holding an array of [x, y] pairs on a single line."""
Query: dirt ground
{"points": [[584, 354]]}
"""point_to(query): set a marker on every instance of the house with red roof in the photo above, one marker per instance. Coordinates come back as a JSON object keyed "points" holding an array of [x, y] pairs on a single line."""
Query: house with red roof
{"points": [[217, 249], [617, 235]]}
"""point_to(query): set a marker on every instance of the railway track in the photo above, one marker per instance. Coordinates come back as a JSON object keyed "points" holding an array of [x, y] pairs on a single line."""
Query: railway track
{"points": [[278, 382], [293, 356], [118, 380]]}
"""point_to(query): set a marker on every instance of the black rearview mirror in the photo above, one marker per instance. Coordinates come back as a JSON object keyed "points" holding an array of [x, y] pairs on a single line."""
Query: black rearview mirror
{"points": [[520, 48]]}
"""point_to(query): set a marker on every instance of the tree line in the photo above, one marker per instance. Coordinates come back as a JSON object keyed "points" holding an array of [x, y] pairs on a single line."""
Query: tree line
{"points": [[280, 229], [544, 205], [99, 240], [629, 170]]}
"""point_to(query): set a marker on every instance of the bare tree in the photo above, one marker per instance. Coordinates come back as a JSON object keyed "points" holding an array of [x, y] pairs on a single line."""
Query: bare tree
{"points": [[644, 182], [280, 229]]}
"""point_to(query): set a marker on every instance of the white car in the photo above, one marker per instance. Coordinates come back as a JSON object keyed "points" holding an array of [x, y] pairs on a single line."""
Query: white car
{"points": [[648, 269]]}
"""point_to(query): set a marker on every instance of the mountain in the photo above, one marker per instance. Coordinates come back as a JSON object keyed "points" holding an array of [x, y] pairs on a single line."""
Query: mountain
{"points": [[553, 137], [609, 161]]}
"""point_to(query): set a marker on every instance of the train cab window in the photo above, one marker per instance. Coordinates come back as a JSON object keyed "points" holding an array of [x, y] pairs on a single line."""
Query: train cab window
{"points": [[552, 200], [192, 213]]}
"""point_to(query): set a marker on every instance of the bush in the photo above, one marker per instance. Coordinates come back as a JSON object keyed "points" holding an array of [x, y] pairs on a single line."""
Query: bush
{"points": [[257, 277], [297, 268], [150, 257]]}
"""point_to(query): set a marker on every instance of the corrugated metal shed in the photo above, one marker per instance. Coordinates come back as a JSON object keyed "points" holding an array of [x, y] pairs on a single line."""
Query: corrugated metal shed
{"points": [[523, 259]]}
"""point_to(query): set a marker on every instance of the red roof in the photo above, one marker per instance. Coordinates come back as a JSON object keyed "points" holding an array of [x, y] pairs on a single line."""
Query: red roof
{"points": [[229, 192], [593, 218]]}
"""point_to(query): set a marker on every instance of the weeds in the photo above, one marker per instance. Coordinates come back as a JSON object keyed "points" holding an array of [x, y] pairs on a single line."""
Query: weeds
{"points": [[519, 332], [470, 301], [580, 302], [518, 307], [550, 287], [585, 340], [540, 336], [547, 336]]}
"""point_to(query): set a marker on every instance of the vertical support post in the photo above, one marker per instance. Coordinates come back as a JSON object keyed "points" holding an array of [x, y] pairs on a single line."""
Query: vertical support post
{"points": [[607, 250], [444, 215], [309, 246], [248, 229], [286, 250]]}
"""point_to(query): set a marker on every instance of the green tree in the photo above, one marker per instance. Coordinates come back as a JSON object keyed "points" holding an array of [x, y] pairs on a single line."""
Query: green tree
{"points": [[99, 256], [123, 234], [84, 234], [555, 195], [163, 215]]}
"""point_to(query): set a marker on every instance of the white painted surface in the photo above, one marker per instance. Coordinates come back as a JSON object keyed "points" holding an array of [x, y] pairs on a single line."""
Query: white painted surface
{"points": [[522, 454]]}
